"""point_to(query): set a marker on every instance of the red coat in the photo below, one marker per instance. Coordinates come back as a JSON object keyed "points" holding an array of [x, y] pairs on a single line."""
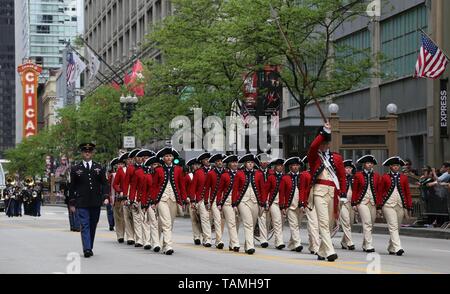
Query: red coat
{"points": [[120, 181], [387, 187], [161, 179], [361, 184], [287, 190], [272, 188], [198, 186], [136, 184], [240, 182], [212, 184], [187, 185], [128, 178], [146, 188], [316, 167], [225, 188]]}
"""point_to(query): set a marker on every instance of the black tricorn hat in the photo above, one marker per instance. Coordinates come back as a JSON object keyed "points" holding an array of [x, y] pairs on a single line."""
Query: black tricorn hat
{"points": [[114, 162], [152, 160], [231, 158], [394, 160], [145, 152], [192, 162], [133, 153], [263, 157], [349, 163], [202, 156], [305, 159], [277, 161], [293, 160], [249, 157], [167, 150], [123, 157], [86, 147], [367, 158], [218, 156]]}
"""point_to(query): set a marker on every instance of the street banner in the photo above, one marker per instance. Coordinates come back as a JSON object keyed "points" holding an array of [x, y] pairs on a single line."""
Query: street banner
{"points": [[29, 73], [250, 92], [443, 109], [274, 90]]}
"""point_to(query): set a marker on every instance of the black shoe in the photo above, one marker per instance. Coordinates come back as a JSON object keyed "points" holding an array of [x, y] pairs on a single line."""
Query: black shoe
{"points": [[156, 249], [120, 240], [197, 242], [391, 253], [343, 247], [147, 247], [87, 254], [320, 257], [351, 247], [400, 252], [220, 246], [313, 253], [236, 249], [264, 245], [137, 245], [130, 242], [369, 250], [207, 245], [111, 228], [299, 248], [332, 257], [280, 247], [250, 251], [169, 252]]}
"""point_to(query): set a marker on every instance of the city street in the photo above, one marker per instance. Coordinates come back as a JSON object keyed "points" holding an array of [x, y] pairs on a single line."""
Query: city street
{"points": [[42, 245]]}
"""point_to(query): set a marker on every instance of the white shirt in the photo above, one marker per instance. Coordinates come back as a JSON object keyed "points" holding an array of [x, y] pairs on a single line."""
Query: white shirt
{"points": [[87, 162]]}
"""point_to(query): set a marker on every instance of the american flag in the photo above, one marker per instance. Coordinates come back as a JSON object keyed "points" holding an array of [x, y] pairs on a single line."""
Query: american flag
{"points": [[432, 61], [70, 67]]}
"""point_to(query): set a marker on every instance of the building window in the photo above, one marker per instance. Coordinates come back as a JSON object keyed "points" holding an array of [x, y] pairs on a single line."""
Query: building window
{"points": [[400, 41]]}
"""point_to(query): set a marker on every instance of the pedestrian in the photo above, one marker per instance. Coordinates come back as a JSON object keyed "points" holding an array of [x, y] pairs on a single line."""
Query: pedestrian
{"points": [[88, 192]]}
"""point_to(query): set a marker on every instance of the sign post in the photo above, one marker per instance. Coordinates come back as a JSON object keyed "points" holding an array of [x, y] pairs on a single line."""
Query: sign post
{"points": [[129, 142]]}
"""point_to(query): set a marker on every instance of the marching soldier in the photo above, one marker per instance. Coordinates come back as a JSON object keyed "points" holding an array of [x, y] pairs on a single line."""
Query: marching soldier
{"points": [[168, 193], [88, 191], [198, 192], [212, 187], [312, 221], [224, 200], [395, 201], [112, 194], [150, 222], [346, 215], [263, 220], [10, 197], [192, 166], [294, 191], [133, 197], [117, 200], [121, 184], [328, 182], [248, 198], [365, 189], [273, 201]]}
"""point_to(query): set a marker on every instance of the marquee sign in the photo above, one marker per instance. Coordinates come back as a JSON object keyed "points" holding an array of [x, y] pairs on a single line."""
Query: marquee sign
{"points": [[29, 73]]}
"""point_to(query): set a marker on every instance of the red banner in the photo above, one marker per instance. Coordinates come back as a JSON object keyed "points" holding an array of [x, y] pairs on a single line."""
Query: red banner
{"points": [[29, 73]]}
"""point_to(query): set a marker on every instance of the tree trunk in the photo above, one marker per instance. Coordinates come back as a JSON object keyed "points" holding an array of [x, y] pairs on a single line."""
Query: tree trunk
{"points": [[301, 128]]}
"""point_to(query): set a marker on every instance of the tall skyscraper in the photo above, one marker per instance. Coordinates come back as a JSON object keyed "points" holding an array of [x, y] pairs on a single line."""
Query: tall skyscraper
{"points": [[7, 74]]}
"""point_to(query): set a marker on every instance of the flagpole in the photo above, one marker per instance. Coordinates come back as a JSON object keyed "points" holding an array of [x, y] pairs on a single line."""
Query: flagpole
{"points": [[435, 43], [84, 59]]}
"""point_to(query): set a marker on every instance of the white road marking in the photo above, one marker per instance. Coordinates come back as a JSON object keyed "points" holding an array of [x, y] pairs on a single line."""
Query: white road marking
{"points": [[441, 250]]}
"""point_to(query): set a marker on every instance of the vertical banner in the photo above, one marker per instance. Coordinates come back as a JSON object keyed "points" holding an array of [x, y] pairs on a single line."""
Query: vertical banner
{"points": [[274, 90], [250, 92], [29, 73], [443, 109]]}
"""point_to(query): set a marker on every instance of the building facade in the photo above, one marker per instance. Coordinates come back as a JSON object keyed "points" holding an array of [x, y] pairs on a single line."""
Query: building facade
{"points": [[396, 35], [116, 30], [7, 75]]}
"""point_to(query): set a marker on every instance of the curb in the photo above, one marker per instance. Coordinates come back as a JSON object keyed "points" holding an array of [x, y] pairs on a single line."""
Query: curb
{"points": [[408, 231]]}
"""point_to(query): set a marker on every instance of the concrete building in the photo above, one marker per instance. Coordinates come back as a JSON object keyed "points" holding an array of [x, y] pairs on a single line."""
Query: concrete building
{"points": [[396, 35], [116, 29]]}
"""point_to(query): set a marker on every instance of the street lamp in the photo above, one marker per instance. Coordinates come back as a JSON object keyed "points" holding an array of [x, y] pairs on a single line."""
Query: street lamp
{"points": [[128, 105]]}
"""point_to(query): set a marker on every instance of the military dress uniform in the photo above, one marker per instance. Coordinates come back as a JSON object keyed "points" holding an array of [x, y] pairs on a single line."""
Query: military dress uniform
{"points": [[346, 215], [394, 199], [365, 189], [117, 204], [294, 192], [328, 178], [88, 191], [195, 218], [273, 204], [264, 218], [212, 187], [248, 197], [224, 200], [135, 205]]}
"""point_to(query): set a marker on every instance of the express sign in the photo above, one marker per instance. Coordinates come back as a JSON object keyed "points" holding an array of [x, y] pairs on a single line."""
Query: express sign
{"points": [[29, 73]]}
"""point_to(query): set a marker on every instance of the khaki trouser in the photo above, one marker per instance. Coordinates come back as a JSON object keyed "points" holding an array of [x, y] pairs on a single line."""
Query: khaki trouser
{"points": [[277, 223], [218, 224], [232, 225], [394, 217], [167, 212], [150, 228], [262, 223], [205, 222], [119, 220], [294, 217], [249, 215], [345, 219], [313, 230], [128, 220], [368, 214], [196, 226], [138, 218], [324, 205]]}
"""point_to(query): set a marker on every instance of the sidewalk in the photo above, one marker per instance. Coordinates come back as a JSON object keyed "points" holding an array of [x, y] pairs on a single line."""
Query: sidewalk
{"points": [[421, 232]]}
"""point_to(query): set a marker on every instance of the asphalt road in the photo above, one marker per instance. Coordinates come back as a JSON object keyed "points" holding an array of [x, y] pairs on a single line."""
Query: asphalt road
{"points": [[45, 245]]}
